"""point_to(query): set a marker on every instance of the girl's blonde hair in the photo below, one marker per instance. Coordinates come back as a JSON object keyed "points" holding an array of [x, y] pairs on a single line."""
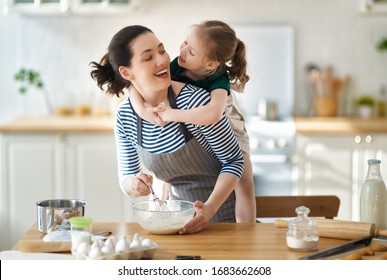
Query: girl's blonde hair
{"points": [[221, 44]]}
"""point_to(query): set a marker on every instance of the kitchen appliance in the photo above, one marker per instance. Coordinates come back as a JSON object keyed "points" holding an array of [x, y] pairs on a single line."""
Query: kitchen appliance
{"points": [[267, 104], [267, 109], [271, 154], [52, 213], [270, 55]]}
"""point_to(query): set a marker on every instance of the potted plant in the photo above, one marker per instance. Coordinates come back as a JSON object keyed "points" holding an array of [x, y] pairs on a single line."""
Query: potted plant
{"points": [[30, 80], [365, 106], [382, 45]]}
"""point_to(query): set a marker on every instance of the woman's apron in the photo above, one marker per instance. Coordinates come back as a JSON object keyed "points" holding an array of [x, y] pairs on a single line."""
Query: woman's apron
{"points": [[191, 171]]}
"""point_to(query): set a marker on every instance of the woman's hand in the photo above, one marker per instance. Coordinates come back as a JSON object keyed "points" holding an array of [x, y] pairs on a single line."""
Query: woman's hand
{"points": [[140, 184], [203, 214]]}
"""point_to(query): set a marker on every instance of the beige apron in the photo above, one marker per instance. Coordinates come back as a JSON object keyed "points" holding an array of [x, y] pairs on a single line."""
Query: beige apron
{"points": [[191, 171]]}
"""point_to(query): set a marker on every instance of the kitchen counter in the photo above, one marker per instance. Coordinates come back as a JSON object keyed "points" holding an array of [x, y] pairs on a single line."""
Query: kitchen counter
{"points": [[304, 125], [339, 125], [39, 124], [219, 241]]}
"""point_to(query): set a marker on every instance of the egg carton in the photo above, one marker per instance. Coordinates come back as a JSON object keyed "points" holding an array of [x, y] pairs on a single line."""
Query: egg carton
{"points": [[139, 254], [136, 249]]}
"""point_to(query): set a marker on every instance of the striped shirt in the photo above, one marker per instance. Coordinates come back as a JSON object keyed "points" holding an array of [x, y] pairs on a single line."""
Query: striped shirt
{"points": [[218, 139]]}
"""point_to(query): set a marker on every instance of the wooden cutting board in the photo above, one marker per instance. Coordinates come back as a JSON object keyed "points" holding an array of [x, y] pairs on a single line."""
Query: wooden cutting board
{"points": [[17, 255], [39, 246]]}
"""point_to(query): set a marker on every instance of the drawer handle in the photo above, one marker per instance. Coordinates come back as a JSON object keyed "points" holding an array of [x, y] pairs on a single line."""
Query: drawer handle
{"points": [[358, 139], [60, 137]]}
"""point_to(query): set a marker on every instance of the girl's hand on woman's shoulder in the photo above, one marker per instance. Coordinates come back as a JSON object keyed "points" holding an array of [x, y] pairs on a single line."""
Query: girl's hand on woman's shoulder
{"points": [[165, 112]]}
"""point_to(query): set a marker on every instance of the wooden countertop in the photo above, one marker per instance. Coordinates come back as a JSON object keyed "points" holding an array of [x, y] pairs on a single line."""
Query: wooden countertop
{"points": [[79, 124], [219, 241], [46, 124], [339, 125]]}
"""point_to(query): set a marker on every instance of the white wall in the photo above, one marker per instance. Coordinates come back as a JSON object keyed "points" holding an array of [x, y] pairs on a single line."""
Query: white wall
{"points": [[61, 47]]}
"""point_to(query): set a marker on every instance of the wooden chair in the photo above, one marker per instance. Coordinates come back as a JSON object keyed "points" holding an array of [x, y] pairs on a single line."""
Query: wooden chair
{"points": [[326, 206]]}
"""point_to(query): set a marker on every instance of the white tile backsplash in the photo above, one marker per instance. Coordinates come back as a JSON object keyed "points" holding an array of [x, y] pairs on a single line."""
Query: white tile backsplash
{"points": [[61, 47]]}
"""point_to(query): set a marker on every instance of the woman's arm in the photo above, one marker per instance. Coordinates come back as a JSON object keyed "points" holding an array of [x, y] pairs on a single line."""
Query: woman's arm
{"points": [[223, 144], [149, 114], [131, 180], [203, 115], [204, 211]]}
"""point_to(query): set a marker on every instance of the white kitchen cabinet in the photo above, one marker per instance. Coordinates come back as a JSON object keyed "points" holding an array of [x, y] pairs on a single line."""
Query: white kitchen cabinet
{"points": [[29, 172], [337, 164], [38, 166], [367, 146]]}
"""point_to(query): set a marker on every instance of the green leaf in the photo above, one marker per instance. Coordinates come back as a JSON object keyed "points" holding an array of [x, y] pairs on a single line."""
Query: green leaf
{"points": [[22, 90], [382, 45], [27, 78]]}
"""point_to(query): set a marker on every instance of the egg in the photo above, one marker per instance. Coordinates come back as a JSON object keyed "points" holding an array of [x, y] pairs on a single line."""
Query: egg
{"points": [[135, 244], [95, 253], [107, 250], [100, 242], [111, 239], [122, 246], [147, 243], [110, 242], [96, 245]]}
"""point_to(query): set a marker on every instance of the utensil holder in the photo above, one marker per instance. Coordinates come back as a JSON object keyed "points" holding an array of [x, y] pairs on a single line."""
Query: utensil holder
{"points": [[325, 106]]}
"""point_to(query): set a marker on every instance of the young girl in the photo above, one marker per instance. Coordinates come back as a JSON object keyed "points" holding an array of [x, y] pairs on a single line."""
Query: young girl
{"points": [[211, 57]]}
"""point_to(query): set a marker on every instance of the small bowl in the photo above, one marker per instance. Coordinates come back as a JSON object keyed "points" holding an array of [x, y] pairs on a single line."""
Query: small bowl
{"points": [[157, 221]]}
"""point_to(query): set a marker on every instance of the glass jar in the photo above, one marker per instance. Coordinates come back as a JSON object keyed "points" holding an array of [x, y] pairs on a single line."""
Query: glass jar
{"points": [[373, 196], [302, 232], [80, 232]]}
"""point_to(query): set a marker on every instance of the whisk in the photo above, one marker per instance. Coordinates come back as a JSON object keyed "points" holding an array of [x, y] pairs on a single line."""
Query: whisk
{"points": [[161, 205]]}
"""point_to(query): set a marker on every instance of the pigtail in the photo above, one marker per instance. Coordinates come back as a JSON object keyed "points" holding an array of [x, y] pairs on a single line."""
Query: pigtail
{"points": [[104, 74], [238, 67]]}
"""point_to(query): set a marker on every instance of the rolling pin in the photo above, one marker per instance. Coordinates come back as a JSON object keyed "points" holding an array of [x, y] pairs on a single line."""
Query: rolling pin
{"points": [[341, 229]]}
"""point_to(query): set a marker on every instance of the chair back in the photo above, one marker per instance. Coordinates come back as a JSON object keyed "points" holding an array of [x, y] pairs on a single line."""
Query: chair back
{"points": [[326, 206]]}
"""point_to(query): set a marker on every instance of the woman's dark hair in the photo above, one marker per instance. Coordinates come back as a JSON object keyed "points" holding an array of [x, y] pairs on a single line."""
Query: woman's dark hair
{"points": [[119, 54]]}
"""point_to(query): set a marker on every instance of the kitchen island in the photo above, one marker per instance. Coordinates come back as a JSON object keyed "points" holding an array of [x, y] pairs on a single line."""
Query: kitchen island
{"points": [[219, 241]]}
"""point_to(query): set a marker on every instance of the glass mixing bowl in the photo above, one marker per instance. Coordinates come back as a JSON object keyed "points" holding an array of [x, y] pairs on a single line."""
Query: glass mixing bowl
{"points": [[168, 219]]}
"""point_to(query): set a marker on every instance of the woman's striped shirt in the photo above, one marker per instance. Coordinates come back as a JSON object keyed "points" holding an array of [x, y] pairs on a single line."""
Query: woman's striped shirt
{"points": [[218, 139]]}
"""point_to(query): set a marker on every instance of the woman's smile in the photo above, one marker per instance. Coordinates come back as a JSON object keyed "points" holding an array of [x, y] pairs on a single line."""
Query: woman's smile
{"points": [[162, 74]]}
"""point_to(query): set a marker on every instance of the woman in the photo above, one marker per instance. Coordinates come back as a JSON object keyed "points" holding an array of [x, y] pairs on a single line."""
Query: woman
{"points": [[201, 163]]}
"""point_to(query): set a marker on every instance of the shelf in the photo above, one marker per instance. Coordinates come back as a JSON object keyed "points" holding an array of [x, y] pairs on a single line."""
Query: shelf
{"points": [[373, 7], [65, 7]]}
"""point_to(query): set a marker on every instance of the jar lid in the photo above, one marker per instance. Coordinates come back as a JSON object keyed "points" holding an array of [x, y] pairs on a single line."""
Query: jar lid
{"points": [[302, 219], [80, 221]]}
